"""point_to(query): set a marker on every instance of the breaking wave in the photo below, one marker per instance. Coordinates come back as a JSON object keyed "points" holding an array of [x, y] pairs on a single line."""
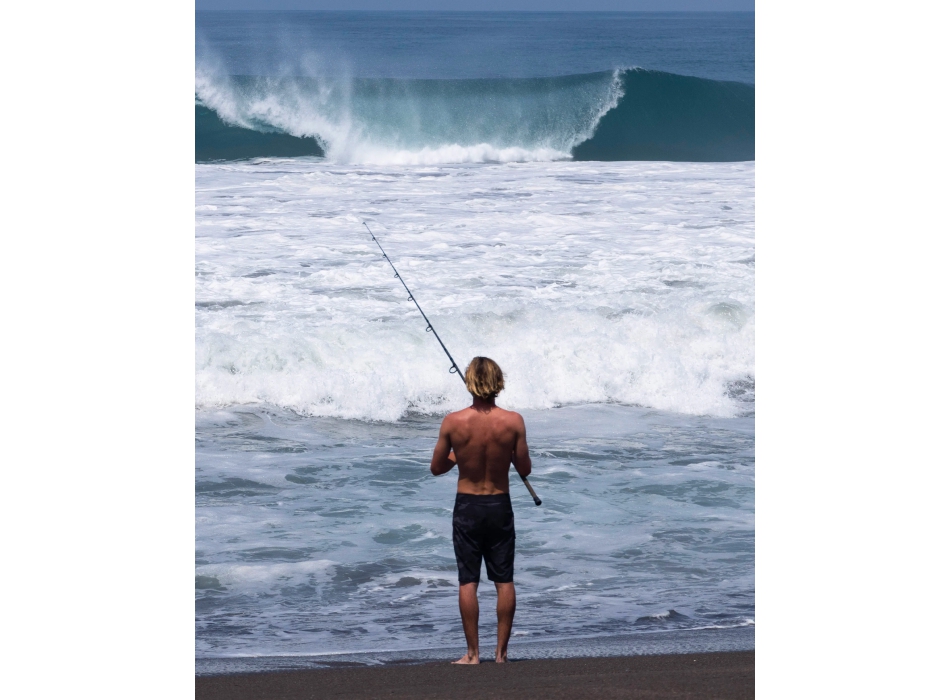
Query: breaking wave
{"points": [[630, 114]]}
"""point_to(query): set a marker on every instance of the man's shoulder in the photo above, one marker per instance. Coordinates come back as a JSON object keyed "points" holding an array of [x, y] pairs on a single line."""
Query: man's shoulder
{"points": [[512, 417], [454, 416]]}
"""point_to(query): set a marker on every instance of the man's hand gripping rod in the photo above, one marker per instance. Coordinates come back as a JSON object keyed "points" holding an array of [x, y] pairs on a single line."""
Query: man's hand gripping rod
{"points": [[454, 369]]}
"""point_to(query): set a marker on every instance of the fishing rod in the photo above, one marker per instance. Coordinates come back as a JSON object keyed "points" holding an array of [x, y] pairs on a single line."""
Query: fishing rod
{"points": [[454, 369]]}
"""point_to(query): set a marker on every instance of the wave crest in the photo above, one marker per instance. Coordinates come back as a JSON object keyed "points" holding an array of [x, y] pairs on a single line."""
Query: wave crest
{"points": [[413, 121]]}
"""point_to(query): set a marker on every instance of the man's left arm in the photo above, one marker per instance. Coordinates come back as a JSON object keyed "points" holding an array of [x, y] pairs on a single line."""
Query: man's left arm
{"points": [[443, 458]]}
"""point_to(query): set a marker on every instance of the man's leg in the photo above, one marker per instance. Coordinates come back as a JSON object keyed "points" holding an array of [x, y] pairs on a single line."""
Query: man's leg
{"points": [[468, 606], [506, 615]]}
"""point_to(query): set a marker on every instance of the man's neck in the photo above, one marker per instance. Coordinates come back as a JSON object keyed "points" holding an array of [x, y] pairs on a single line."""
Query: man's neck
{"points": [[480, 404]]}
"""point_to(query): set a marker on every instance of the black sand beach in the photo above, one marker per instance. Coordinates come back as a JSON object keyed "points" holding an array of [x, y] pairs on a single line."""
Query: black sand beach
{"points": [[727, 675]]}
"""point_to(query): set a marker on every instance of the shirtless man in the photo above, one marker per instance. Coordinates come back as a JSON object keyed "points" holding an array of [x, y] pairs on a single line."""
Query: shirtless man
{"points": [[483, 440]]}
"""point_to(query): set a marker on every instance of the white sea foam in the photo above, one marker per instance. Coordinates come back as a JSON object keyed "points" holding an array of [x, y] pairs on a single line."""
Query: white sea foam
{"points": [[588, 282], [368, 153]]}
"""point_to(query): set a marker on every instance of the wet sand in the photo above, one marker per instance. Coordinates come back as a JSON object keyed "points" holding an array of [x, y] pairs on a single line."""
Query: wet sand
{"points": [[726, 675]]}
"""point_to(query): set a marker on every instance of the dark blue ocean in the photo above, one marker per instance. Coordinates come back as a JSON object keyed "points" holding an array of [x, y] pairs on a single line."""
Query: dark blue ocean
{"points": [[475, 87], [572, 195], [717, 46]]}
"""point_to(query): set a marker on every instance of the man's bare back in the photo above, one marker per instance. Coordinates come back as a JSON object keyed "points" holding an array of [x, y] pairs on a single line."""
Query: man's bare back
{"points": [[483, 440]]}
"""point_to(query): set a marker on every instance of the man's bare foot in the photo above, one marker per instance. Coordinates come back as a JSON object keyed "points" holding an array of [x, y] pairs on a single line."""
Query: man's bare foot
{"points": [[501, 658], [468, 659]]}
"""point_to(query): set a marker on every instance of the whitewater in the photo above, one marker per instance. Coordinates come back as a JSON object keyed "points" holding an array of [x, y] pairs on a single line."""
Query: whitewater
{"points": [[619, 300], [630, 283]]}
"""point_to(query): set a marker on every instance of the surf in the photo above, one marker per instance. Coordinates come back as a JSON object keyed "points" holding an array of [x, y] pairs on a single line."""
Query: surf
{"points": [[631, 114]]}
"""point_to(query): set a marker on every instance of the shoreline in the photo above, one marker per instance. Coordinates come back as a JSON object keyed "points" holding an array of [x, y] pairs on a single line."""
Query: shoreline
{"points": [[643, 643], [727, 675]]}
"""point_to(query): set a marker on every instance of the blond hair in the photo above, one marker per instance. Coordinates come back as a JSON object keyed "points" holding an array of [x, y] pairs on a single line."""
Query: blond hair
{"points": [[484, 378]]}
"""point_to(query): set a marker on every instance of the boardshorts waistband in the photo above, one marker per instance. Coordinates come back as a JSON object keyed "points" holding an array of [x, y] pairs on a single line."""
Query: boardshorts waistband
{"points": [[493, 499]]}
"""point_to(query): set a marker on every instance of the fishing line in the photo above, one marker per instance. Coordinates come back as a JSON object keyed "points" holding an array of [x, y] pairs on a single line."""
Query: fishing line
{"points": [[454, 369]]}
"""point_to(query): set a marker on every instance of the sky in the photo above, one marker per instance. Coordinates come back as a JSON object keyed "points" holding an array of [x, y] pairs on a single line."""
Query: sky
{"points": [[472, 5]]}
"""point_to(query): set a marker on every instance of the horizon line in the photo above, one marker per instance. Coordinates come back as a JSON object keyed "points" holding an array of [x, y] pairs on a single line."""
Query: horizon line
{"points": [[502, 12]]}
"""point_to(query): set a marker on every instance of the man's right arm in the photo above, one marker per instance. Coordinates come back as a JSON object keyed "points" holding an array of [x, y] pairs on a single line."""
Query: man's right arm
{"points": [[519, 456], [442, 458]]}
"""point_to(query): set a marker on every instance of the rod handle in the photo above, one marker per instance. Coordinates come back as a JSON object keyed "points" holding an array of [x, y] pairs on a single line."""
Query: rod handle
{"points": [[537, 501]]}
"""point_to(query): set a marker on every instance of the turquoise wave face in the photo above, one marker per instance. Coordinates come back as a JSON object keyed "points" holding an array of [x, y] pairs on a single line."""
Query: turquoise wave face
{"points": [[614, 115], [216, 140], [675, 118]]}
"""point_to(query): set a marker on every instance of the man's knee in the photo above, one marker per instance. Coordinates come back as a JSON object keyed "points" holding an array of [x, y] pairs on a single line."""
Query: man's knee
{"points": [[506, 591]]}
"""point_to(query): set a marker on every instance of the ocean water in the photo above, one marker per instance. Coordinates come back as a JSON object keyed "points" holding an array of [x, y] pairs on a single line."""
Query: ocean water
{"points": [[432, 88], [459, 45], [618, 296]]}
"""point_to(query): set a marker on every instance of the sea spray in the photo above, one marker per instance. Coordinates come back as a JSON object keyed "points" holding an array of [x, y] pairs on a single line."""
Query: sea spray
{"points": [[416, 121]]}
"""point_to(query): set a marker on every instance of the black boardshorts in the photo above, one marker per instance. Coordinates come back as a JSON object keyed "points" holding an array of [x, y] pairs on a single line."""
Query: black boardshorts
{"points": [[484, 526]]}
